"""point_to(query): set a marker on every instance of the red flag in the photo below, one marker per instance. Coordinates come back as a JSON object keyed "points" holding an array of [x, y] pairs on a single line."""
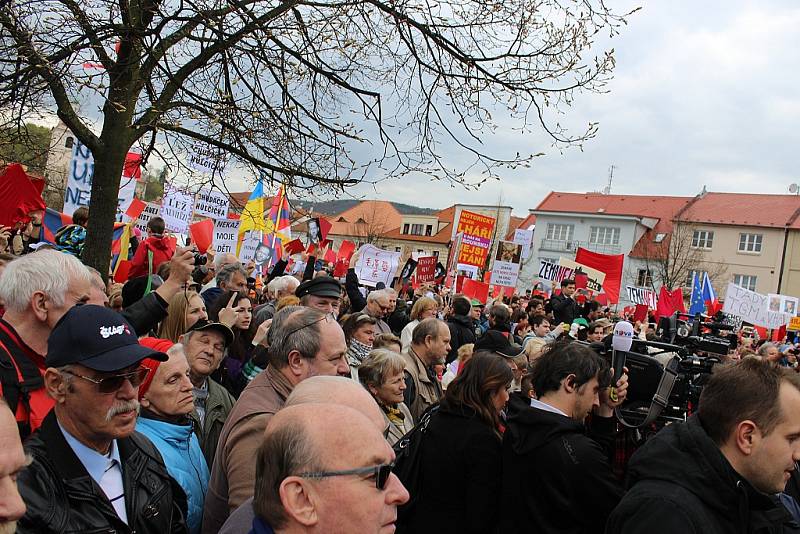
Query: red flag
{"points": [[713, 306], [324, 227], [677, 298], [669, 302], [18, 196], [487, 276], [330, 256], [133, 166], [346, 250], [325, 243], [778, 334], [602, 299], [311, 249], [610, 264], [293, 247], [762, 332], [341, 267], [202, 234], [581, 281], [474, 290], [135, 209], [641, 313], [124, 267]]}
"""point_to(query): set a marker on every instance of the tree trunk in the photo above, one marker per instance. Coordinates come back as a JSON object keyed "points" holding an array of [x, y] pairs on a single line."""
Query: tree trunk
{"points": [[108, 166]]}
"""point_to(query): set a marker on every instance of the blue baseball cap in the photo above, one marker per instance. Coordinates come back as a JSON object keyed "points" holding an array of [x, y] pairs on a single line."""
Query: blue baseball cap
{"points": [[98, 338]]}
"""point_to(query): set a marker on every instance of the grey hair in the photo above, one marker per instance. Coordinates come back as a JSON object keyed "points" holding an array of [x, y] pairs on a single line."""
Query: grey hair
{"points": [[762, 350], [294, 328], [49, 271], [66, 374], [282, 283], [378, 294], [175, 349], [219, 260], [425, 328], [97, 278], [378, 366], [226, 273]]}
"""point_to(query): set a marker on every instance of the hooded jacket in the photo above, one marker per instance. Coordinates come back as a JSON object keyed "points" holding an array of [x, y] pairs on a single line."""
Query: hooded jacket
{"points": [[556, 478], [681, 482], [184, 461], [462, 332], [163, 248]]}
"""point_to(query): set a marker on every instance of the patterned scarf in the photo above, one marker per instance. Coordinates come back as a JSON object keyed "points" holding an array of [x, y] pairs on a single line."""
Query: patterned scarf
{"points": [[357, 352], [395, 416]]}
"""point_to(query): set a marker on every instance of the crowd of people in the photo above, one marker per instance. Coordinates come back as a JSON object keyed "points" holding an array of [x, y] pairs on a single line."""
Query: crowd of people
{"points": [[208, 400]]}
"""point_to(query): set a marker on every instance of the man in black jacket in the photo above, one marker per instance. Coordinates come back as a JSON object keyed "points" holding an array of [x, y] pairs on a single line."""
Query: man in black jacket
{"points": [[556, 478], [719, 471], [565, 309], [90, 471], [461, 325]]}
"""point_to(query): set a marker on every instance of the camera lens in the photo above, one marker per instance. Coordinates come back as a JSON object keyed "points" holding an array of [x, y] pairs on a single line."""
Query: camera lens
{"points": [[200, 259]]}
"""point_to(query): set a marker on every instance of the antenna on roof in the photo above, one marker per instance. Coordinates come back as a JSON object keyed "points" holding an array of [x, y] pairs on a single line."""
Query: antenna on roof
{"points": [[607, 190]]}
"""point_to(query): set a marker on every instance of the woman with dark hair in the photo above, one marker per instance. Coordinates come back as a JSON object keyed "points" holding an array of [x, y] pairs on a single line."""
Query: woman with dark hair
{"points": [[461, 453], [238, 353], [360, 330]]}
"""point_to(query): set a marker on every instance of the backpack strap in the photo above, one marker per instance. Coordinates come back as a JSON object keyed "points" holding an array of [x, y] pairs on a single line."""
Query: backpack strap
{"points": [[19, 376]]}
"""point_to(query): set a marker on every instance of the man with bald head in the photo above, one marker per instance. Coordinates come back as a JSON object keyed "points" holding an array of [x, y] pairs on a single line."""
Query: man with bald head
{"points": [[327, 481], [315, 390], [296, 352]]}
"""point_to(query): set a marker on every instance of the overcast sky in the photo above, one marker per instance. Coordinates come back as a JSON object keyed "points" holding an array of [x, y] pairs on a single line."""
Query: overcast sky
{"points": [[704, 93]]}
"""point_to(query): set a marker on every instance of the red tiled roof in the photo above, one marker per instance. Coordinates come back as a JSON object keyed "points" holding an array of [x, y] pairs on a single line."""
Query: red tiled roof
{"points": [[661, 208], [375, 216], [441, 237], [516, 223], [743, 209]]}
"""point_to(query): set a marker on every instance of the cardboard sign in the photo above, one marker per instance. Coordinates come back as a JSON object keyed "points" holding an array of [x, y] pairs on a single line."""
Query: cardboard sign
{"points": [[213, 204], [524, 238], [476, 240], [207, 159], [473, 289], [150, 210], [469, 271], [505, 269], [250, 243], [226, 234], [595, 278], [794, 324], [176, 210], [376, 265], [408, 269], [426, 269], [752, 307], [642, 295]]}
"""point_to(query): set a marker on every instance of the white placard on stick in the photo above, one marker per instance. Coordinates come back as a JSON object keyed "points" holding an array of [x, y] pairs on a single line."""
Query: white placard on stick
{"points": [[207, 159], [150, 210], [250, 242], [176, 210], [376, 265], [642, 295], [752, 307], [505, 269], [524, 238], [226, 233], [209, 203]]}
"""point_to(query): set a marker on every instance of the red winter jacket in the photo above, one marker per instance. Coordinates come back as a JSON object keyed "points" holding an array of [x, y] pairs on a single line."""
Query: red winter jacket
{"points": [[163, 249]]}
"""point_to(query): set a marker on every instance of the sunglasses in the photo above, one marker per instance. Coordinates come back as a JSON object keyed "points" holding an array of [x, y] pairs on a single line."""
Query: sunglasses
{"points": [[111, 384], [379, 472]]}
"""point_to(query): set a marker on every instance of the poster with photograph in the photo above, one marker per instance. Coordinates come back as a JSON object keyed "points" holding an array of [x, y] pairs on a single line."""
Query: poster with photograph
{"points": [[469, 271], [789, 305], [774, 302], [314, 231], [505, 270]]}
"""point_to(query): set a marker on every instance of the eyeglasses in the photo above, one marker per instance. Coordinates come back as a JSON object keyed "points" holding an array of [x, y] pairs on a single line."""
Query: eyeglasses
{"points": [[380, 472], [111, 384]]}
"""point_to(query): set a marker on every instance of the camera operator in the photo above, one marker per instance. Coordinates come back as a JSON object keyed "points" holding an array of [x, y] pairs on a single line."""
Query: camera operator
{"points": [[720, 470], [556, 477]]}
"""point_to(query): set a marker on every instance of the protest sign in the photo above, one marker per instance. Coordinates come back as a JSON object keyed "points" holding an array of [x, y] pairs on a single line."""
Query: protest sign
{"points": [[595, 278], [553, 272], [202, 234], [408, 269], [226, 233], [207, 159], [752, 307], [376, 265], [642, 295], [81, 172], [150, 210], [250, 242], [472, 289], [176, 210], [426, 269], [469, 271], [524, 238], [213, 204], [794, 323], [505, 269], [476, 240]]}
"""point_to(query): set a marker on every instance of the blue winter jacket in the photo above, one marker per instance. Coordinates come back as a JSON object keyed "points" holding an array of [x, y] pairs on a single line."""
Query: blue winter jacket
{"points": [[184, 460]]}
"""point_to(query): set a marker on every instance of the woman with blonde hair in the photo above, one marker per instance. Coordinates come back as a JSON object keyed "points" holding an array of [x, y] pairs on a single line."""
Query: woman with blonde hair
{"points": [[423, 308], [381, 373], [184, 310]]}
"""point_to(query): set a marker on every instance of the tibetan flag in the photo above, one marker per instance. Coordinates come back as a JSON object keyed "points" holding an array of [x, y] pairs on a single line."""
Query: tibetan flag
{"points": [[51, 222], [278, 228], [253, 214]]}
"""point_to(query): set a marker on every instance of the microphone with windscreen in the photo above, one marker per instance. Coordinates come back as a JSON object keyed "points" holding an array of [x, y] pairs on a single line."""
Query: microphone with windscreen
{"points": [[621, 342]]}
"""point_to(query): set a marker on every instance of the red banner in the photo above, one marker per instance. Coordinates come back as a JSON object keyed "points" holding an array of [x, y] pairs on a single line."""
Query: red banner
{"points": [[346, 250], [202, 234], [476, 230], [610, 264], [426, 269], [475, 290]]}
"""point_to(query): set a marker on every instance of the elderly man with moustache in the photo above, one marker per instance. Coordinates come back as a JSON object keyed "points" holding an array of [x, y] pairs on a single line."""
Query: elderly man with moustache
{"points": [[303, 342], [90, 471]]}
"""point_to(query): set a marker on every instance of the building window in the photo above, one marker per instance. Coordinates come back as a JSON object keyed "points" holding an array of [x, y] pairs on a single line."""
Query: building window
{"points": [[416, 229], [745, 280], [702, 239], [405, 228], [750, 242], [604, 235], [644, 278], [559, 232], [420, 251], [69, 142], [398, 249], [690, 278], [549, 260], [428, 229]]}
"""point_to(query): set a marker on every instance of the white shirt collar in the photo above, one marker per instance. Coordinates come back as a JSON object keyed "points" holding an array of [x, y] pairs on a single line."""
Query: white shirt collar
{"points": [[536, 403]]}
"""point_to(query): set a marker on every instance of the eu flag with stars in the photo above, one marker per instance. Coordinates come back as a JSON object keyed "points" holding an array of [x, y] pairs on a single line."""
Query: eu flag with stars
{"points": [[697, 304]]}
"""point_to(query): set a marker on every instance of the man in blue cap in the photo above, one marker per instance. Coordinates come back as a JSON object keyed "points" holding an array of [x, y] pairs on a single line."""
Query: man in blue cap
{"points": [[90, 470]]}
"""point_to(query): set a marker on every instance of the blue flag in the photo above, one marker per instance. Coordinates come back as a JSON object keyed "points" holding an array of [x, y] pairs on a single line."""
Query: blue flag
{"points": [[697, 305]]}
